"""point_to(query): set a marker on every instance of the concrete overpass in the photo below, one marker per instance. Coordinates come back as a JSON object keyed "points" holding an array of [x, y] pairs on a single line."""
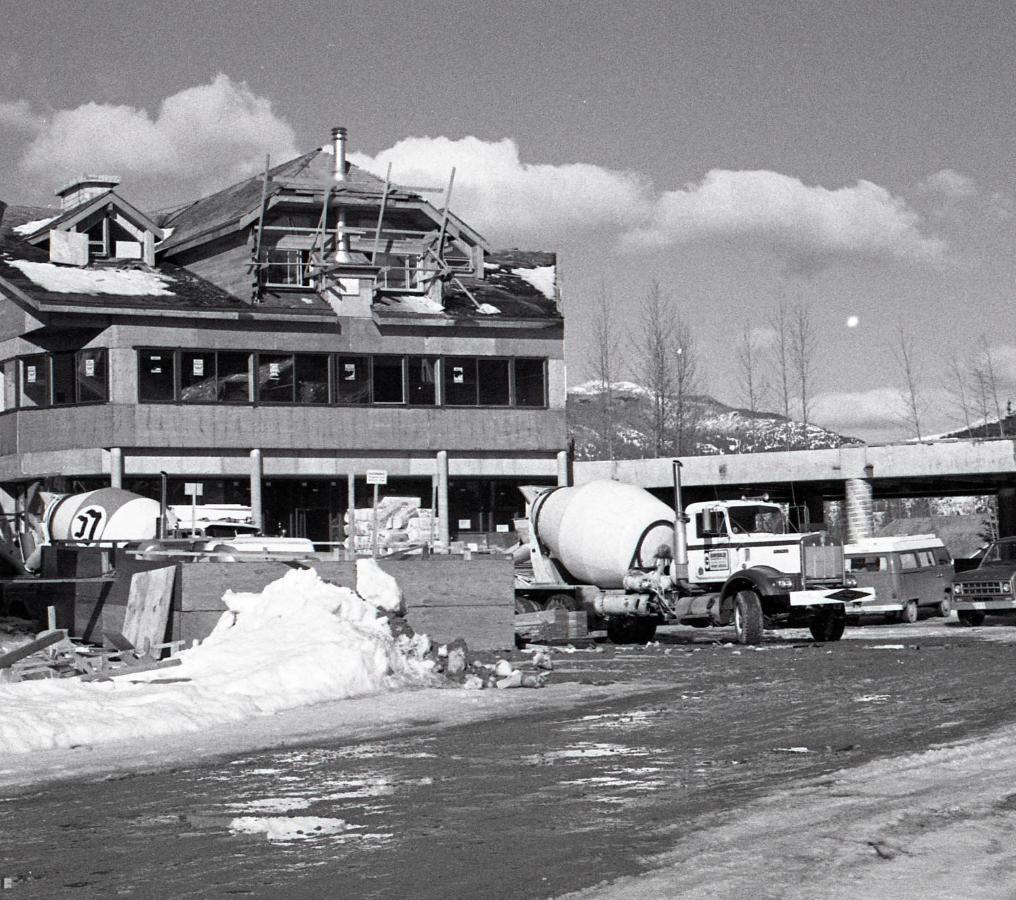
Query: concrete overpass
{"points": [[856, 474]]}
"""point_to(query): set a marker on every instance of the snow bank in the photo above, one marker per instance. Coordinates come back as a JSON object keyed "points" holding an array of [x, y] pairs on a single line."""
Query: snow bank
{"points": [[33, 226], [121, 282], [298, 642]]}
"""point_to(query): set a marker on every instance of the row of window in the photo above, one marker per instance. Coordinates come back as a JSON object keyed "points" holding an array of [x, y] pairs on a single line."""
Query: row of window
{"points": [[64, 379], [909, 561], [229, 376]]}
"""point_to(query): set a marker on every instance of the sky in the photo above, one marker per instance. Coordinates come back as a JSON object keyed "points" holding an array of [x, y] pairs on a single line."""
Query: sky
{"points": [[853, 158]]}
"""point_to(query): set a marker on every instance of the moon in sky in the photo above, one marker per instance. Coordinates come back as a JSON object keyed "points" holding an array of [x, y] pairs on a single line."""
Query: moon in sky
{"points": [[852, 321]]}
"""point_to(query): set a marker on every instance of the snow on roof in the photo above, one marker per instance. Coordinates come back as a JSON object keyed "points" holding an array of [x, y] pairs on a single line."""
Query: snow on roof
{"points": [[543, 278], [32, 227], [887, 543], [120, 282]]}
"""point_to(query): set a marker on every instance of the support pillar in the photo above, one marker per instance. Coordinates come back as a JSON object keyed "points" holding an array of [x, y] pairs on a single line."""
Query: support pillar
{"points": [[859, 509], [351, 514], [563, 467], [116, 467], [256, 472], [1007, 512], [443, 531]]}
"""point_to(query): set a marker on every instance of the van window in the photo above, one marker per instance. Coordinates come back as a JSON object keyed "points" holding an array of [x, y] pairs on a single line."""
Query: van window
{"points": [[868, 564], [942, 557], [926, 558], [908, 561]]}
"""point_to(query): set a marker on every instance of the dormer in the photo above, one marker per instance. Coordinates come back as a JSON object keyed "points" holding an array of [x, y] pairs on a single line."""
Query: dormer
{"points": [[97, 224]]}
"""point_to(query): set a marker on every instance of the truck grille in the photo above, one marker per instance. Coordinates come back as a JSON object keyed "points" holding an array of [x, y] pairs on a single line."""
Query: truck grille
{"points": [[984, 587]]}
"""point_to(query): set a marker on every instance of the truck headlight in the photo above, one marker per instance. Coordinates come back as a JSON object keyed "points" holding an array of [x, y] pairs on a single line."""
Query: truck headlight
{"points": [[957, 588], [785, 584]]}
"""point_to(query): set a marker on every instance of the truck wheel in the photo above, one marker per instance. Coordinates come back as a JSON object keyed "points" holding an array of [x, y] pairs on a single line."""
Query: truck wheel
{"points": [[827, 627], [630, 630], [526, 605], [559, 601], [909, 613], [748, 618], [970, 617], [945, 607]]}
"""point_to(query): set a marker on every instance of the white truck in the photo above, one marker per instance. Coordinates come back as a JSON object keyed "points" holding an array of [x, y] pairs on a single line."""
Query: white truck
{"points": [[625, 556]]}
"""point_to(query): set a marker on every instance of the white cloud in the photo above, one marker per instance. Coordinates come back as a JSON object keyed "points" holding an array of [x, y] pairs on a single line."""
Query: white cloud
{"points": [[202, 137], [809, 225], [505, 198], [949, 184], [18, 115]]}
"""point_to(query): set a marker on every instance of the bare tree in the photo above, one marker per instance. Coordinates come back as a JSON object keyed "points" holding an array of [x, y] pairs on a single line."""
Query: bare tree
{"points": [[653, 349], [604, 362], [958, 387], [752, 381], [686, 383], [803, 346], [982, 393], [911, 394], [987, 365], [781, 325]]}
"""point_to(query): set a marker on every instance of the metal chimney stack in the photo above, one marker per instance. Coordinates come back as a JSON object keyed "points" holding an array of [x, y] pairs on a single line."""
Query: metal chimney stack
{"points": [[339, 153]]}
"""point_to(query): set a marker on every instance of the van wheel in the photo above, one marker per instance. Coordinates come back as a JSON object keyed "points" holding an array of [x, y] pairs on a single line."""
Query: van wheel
{"points": [[630, 630], [909, 613], [945, 608], [827, 626], [748, 623], [970, 617]]}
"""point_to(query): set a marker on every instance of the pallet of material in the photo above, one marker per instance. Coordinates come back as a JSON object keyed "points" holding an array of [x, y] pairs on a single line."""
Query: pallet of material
{"points": [[549, 625]]}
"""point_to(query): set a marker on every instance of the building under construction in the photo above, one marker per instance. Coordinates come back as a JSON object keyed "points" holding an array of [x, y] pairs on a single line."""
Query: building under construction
{"points": [[273, 342]]}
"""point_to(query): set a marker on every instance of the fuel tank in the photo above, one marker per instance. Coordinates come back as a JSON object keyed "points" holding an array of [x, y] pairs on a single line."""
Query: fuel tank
{"points": [[600, 530]]}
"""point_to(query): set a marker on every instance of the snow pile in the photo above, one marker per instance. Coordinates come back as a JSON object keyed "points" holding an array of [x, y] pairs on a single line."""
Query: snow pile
{"points": [[286, 829], [543, 278], [121, 282], [298, 642]]}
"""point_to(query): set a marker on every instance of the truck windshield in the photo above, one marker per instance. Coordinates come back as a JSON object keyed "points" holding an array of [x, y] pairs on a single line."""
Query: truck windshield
{"points": [[1000, 551], [758, 520]]}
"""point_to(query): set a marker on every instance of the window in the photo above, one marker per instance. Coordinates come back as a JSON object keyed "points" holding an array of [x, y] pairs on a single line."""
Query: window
{"points": [[64, 379], [399, 272], [91, 382], [353, 379], [311, 377], [908, 561], [197, 377], [926, 558], [868, 564], [289, 267], [233, 377], [460, 382], [422, 380], [275, 378], [493, 382], [715, 528], [942, 557], [156, 377], [35, 380], [389, 380], [530, 383]]}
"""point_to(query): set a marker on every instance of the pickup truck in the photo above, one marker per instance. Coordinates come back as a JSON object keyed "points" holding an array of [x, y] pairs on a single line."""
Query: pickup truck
{"points": [[990, 587]]}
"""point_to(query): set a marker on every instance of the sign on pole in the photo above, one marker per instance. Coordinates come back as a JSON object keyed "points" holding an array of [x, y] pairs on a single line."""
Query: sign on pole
{"points": [[377, 476], [193, 489]]}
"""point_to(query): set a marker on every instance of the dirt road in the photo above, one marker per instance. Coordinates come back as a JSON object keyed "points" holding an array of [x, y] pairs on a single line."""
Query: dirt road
{"points": [[536, 806]]}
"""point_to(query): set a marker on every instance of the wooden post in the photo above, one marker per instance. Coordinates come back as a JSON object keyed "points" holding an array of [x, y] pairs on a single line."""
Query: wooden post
{"points": [[381, 214]]}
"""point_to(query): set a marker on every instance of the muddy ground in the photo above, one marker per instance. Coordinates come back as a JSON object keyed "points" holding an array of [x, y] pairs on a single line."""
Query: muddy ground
{"points": [[537, 805]]}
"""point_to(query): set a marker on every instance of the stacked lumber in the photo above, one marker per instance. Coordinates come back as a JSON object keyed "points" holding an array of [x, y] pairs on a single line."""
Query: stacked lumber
{"points": [[401, 525], [548, 625]]}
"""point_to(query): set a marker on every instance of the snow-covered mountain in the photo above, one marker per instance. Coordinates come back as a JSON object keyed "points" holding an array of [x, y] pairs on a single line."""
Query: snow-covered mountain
{"points": [[711, 427]]}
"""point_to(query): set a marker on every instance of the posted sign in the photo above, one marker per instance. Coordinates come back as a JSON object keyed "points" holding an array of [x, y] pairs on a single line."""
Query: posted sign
{"points": [[377, 476]]}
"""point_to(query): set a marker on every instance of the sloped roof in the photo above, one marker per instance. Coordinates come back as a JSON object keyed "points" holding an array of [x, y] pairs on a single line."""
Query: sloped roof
{"points": [[517, 283], [234, 204], [182, 289], [89, 206]]}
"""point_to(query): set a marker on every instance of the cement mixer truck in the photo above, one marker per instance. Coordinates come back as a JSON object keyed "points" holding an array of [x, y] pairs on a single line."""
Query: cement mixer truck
{"points": [[627, 558]]}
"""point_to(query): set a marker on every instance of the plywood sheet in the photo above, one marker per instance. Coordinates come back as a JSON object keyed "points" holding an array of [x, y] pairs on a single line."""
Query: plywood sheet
{"points": [[148, 606]]}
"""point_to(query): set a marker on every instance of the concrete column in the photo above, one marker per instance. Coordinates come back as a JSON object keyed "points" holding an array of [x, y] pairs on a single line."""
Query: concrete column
{"points": [[351, 513], [563, 468], [859, 520], [256, 472], [116, 467], [443, 531], [1007, 512]]}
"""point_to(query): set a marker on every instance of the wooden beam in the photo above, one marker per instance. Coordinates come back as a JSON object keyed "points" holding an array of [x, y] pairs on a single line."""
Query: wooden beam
{"points": [[381, 213]]}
